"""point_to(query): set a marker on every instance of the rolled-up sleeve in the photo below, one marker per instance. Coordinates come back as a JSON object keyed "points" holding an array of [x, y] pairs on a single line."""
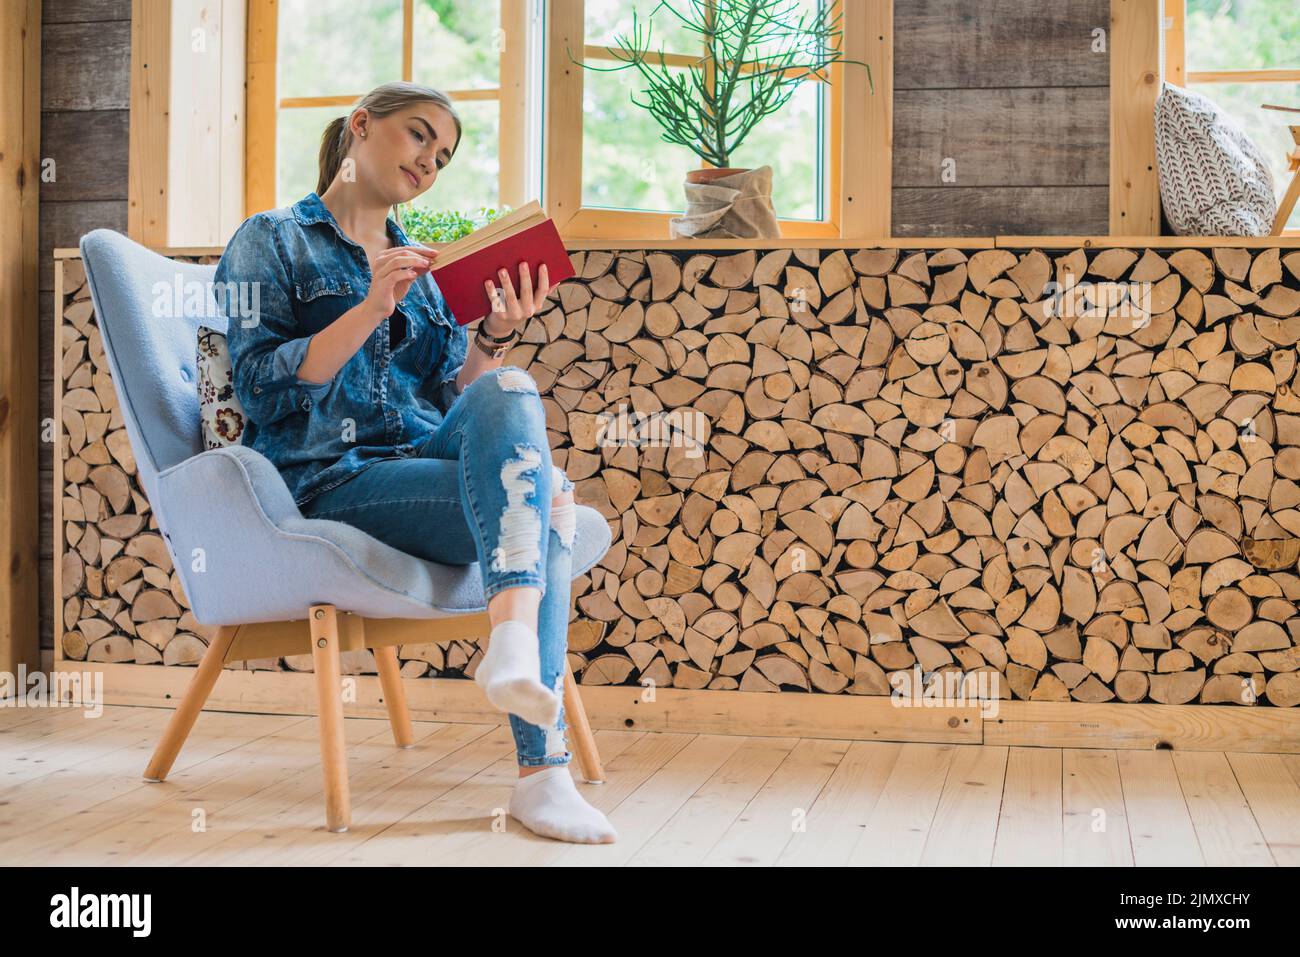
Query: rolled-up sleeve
{"points": [[254, 294]]}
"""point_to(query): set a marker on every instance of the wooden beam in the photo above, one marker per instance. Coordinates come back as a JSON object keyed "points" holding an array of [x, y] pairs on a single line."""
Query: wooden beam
{"points": [[260, 107], [1147, 242], [786, 242], [1064, 724], [348, 99], [849, 82], [512, 180], [20, 425], [869, 121], [234, 121], [830, 178], [562, 171], [408, 40], [1244, 76], [1288, 242], [1176, 42], [1135, 74], [149, 124]]}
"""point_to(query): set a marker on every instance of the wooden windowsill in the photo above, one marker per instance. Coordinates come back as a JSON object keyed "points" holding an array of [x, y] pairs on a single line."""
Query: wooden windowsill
{"points": [[1285, 241]]}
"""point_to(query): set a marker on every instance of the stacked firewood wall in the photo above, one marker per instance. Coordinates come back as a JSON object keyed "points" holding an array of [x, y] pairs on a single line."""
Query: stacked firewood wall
{"points": [[119, 598], [1074, 470]]}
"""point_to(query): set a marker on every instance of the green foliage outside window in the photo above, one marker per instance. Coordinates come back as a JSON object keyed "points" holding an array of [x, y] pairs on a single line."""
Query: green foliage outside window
{"points": [[430, 226], [1250, 35]]}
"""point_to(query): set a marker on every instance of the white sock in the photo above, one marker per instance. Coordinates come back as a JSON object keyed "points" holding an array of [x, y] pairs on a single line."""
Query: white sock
{"points": [[548, 803], [510, 675]]}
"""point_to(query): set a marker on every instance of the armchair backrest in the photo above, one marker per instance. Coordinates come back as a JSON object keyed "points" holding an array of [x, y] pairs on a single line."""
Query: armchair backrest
{"points": [[149, 308]]}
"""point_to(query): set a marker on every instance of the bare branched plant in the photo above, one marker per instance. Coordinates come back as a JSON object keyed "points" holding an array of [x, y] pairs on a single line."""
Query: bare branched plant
{"points": [[756, 54]]}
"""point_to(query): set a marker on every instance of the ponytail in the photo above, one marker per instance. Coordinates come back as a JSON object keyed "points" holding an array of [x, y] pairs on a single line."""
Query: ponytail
{"points": [[334, 146]]}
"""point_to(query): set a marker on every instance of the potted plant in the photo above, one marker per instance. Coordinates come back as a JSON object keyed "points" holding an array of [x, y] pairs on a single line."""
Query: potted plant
{"points": [[756, 54]]}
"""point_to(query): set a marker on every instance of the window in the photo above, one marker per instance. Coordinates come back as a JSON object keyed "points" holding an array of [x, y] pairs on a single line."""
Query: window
{"points": [[630, 181], [539, 125], [310, 60], [1243, 54]]}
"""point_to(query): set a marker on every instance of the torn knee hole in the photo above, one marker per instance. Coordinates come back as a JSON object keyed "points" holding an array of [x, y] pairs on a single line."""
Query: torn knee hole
{"points": [[519, 547], [560, 481], [514, 379], [562, 513], [564, 520]]}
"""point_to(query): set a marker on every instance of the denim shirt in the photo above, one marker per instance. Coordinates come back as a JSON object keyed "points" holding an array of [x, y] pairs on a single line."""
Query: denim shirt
{"points": [[383, 401]]}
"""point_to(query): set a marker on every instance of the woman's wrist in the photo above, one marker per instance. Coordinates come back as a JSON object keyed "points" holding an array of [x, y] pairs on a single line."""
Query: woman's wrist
{"points": [[373, 311], [492, 333]]}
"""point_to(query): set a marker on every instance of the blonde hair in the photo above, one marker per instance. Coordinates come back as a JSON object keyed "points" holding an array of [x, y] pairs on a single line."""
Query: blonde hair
{"points": [[379, 102]]}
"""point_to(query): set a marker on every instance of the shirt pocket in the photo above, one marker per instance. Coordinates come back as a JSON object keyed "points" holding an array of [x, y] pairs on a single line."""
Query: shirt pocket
{"points": [[431, 339], [319, 300]]}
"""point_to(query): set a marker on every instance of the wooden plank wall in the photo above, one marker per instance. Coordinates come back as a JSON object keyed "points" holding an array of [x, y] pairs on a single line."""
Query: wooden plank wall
{"points": [[1010, 98], [20, 166], [85, 94]]}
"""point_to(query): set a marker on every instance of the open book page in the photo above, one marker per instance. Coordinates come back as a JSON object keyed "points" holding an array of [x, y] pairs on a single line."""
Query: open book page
{"points": [[529, 214]]}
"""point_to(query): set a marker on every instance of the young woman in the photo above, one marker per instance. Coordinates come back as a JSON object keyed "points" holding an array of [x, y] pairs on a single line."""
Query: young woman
{"points": [[362, 389]]}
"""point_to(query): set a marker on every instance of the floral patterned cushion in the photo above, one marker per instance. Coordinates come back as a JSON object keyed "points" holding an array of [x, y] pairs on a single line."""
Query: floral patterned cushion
{"points": [[223, 417]]}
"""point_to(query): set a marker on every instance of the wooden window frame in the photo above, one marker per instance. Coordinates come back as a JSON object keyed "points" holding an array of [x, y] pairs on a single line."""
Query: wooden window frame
{"points": [[186, 134], [858, 150], [859, 135], [264, 104], [1176, 57], [1178, 74], [1135, 75]]}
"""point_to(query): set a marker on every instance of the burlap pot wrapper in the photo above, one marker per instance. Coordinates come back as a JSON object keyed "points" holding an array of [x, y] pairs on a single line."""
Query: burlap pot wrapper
{"points": [[738, 206]]}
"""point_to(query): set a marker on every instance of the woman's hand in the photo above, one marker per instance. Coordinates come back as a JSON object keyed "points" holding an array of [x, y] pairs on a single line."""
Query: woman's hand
{"points": [[511, 311], [392, 273]]}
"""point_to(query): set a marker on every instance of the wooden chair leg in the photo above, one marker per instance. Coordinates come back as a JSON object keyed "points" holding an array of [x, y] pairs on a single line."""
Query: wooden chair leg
{"points": [[196, 695], [329, 700], [584, 742], [390, 680], [1287, 204]]}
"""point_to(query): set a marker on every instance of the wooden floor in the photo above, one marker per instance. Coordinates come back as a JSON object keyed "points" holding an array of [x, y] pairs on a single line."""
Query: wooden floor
{"points": [[247, 790]]}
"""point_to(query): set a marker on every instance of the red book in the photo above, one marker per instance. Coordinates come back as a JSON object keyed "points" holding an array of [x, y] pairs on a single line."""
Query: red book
{"points": [[526, 235]]}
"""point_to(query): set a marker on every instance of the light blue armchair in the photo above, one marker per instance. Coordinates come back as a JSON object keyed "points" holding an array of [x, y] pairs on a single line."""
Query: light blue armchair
{"points": [[274, 582]]}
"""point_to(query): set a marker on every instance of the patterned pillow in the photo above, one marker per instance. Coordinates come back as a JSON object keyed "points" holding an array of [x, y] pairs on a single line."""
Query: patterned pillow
{"points": [[1213, 180], [223, 417]]}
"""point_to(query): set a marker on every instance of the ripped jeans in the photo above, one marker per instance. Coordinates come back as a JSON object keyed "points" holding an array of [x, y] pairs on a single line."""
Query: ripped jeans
{"points": [[479, 489]]}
